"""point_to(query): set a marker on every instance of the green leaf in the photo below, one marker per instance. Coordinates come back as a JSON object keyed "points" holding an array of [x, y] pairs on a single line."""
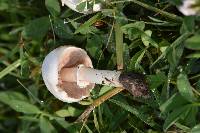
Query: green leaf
{"points": [[53, 7], [145, 39], [135, 60], [193, 42], [134, 111], [136, 30], [36, 29], [71, 111], [62, 30], [190, 118], [195, 129], [173, 102], [24, 107], [156, 80], [174, 56], [184, 87], [120, 117], [29, 118], [176, 2], [80, 7], [63, 113], [175, 44], [175, 115], [46, 126], [194, 55], [182, 127], [139, 25], [93, 46], [7, 96], [188, 24], [105, 89], [86, 27], [133, 30]]}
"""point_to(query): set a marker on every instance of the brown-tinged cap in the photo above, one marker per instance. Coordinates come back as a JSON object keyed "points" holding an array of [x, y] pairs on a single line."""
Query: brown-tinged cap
{"points": [[65, 57]]}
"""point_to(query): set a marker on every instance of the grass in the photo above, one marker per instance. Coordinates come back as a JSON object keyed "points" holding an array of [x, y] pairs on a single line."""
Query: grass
{"points": [[149, 37]]}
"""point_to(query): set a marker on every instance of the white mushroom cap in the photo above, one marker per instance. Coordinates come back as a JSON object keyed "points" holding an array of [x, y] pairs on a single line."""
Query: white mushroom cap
{"points": [[65, 57], [190, 7], [72, 4]]}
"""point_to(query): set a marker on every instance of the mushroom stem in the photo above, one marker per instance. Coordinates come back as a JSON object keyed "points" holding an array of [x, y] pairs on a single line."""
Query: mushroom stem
{"points": [[83, 76]]}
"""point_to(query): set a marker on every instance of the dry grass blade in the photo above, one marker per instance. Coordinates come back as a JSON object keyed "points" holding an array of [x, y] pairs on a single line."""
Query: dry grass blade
{"points": [[97, 102]]}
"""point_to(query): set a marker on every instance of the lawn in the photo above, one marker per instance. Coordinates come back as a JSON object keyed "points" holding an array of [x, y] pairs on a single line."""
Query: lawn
{"points": [[156, 38]]}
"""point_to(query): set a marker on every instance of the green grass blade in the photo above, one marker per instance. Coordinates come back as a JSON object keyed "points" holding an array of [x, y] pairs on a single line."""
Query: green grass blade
{"points": [[151, 8], [175, 115], [119, 45], [176, 43], [146, 119], [10, 68]]}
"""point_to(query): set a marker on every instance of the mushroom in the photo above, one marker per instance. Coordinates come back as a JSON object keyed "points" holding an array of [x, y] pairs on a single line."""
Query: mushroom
{"points": [[72, 4], [190, 7], [68, 73]]}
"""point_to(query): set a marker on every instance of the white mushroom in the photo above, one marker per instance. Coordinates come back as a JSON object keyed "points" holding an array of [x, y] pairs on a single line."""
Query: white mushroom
{"points": [[69, 75], [72, 4], [190, 7], [57, 59]]}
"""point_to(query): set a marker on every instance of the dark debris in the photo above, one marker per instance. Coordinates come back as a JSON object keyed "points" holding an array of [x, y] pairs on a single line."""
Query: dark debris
{"points": [[135, 83]]}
